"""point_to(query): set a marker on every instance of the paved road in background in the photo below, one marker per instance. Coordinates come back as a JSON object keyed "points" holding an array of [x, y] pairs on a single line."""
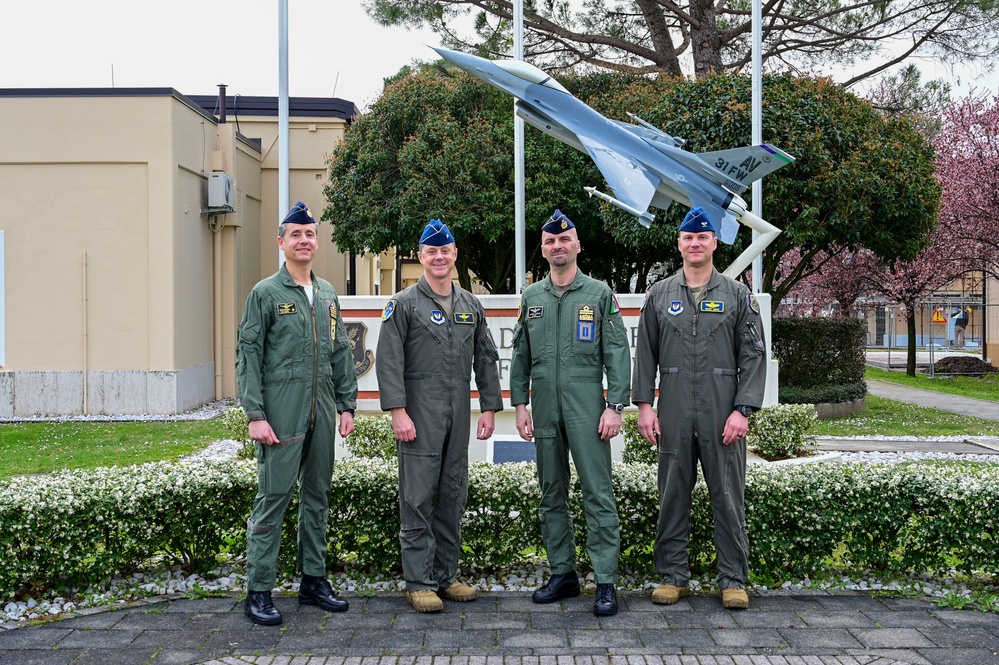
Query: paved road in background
{"points": [[931, 399]]}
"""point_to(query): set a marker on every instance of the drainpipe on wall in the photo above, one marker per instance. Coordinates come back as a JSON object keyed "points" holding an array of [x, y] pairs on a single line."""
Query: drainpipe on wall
{"points": [[217, 269], [217, 307], [86, 364]]}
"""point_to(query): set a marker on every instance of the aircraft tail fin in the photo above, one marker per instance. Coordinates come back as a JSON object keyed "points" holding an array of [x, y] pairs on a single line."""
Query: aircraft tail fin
{"points": [[745, 165]]}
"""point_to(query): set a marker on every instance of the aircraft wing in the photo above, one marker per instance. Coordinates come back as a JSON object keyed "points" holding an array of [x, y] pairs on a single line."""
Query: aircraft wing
{"points": [[632, 183]]}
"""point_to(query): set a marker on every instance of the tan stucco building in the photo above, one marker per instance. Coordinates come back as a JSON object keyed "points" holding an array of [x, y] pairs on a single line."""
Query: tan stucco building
{"points": [[121, 287]]}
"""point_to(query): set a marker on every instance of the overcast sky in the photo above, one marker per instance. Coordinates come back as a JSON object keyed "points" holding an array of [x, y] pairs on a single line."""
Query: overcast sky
{"points": [[193, 45]]}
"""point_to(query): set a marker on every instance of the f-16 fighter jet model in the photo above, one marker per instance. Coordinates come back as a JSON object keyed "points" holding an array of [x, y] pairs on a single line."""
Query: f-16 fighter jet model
{"points": [[643, 165]]}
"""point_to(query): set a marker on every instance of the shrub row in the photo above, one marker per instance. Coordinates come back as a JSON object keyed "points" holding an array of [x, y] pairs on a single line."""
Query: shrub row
{"points": [[832, 393], [776, 432], [75, 529]]}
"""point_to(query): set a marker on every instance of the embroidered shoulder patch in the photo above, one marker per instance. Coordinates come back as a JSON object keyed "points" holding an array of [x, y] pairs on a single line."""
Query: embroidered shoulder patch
{"points": [[287, 308], [388, 311]]}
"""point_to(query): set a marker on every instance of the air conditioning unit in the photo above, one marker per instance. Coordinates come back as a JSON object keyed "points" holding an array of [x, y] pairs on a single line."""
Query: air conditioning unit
{"points": [[221, 192]]}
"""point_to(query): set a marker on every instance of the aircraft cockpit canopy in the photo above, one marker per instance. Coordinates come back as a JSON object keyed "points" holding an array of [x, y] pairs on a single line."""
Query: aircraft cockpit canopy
{"points": [[529, 72]]}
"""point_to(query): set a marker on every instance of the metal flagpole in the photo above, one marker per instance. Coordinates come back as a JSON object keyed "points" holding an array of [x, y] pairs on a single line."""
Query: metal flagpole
{"points": [[518, 160], [757, 129], [283, 169]]}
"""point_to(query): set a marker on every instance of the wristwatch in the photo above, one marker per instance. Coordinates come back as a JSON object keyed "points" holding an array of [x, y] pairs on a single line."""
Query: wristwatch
{"points": [[744, 410], [615, 407], [350, 411]]}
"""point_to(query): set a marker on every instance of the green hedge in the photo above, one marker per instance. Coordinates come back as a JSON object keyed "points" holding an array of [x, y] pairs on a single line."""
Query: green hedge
{"points": [[820, 359], [75, 529], [826, 394], [776, 432]]}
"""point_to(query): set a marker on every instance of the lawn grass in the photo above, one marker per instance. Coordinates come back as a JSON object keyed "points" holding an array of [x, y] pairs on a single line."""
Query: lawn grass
{"points": [[984, 387], [886, 417], [43, 447]]}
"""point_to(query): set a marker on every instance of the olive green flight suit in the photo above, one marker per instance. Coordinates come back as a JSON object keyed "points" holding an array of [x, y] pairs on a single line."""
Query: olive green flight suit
{"points": [[424, 363], [293, 368], [561, 349], [710, 357]]}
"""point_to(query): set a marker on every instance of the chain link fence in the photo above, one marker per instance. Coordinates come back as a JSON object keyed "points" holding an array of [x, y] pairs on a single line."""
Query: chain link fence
{"points": [[944, 327]]}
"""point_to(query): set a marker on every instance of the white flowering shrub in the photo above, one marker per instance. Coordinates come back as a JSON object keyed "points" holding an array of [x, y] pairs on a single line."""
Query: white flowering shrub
{"points": [[636, 448], [372, 437], [501, 520], [776, 432], [781, 431], [237, 427], [72, 529], [364, 514]]}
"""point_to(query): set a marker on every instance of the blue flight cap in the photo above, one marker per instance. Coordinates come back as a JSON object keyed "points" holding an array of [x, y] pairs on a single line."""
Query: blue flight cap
{"points": [[557, 223], [436, 234], [299, 214], [697, 221]]}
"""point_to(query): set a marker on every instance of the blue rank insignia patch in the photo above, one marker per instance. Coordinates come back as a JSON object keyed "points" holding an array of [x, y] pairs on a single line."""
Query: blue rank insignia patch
{"points": [[535, 312], [584, 324], [712, 306], [675, 307], [287, 308], [437, 316], [464, 317], [388, 311]]}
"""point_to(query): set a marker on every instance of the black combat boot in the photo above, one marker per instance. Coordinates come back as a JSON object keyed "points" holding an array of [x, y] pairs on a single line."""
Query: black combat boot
{"points": [[318, 591], [259, 607], [563, 585], [605, 604]]}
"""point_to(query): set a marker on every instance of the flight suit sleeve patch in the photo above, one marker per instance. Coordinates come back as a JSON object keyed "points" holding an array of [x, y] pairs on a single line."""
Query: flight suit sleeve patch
{"points": [[615, 307], [753, 303], [389, 310]]}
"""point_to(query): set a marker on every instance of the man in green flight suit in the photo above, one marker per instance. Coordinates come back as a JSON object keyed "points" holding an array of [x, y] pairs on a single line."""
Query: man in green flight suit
{"points": [[433, 334], [293, 367], [569, 332], [700, 331]]}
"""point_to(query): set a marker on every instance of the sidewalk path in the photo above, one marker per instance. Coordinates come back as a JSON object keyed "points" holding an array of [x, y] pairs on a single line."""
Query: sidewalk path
{"points": [[966, 406], [506, 628]]}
